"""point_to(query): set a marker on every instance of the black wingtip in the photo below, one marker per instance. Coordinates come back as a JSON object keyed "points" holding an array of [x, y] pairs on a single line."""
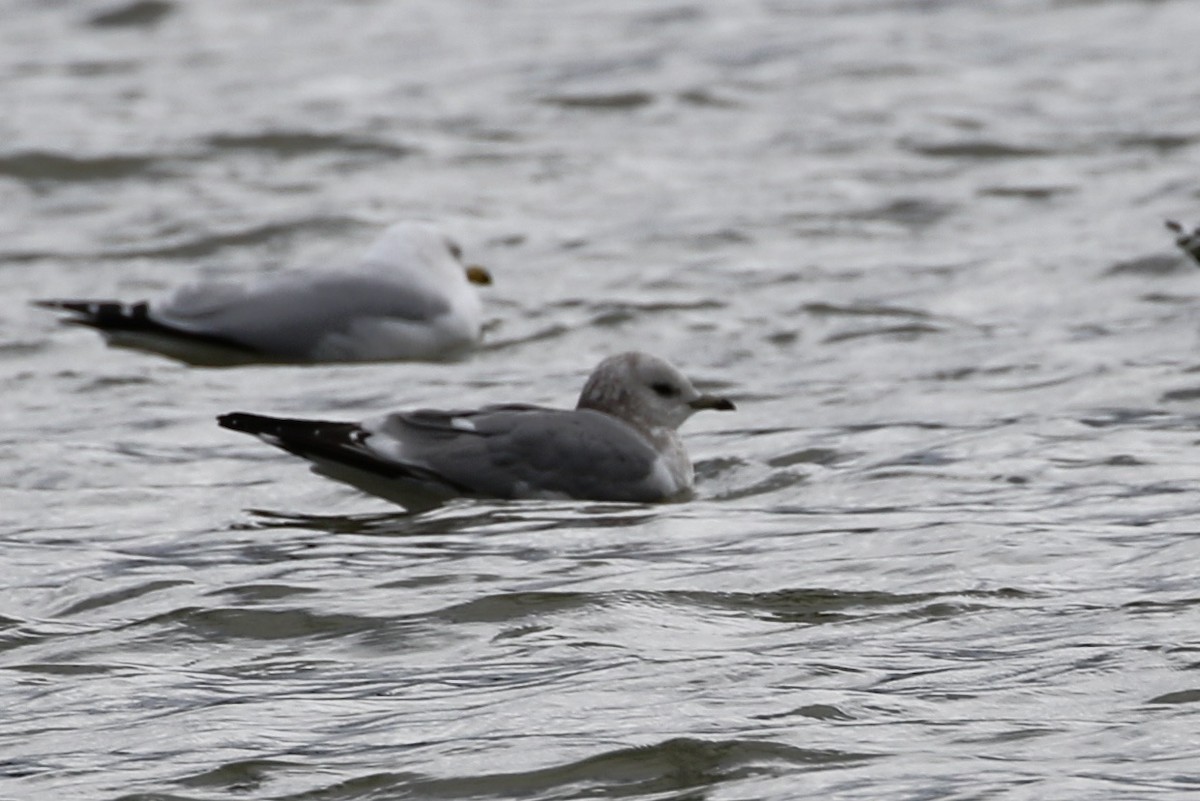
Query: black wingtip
{"points": [[296, 432], [88, 308], [114, 318], [101, 313], [245, 422]]}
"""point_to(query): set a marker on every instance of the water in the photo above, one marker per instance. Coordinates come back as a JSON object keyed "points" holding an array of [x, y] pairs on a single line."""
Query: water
{"points": [[945, 549]]}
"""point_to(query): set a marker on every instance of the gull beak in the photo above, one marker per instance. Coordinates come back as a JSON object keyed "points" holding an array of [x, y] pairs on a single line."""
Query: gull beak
{"points": [[478, 275], [712, 402]]}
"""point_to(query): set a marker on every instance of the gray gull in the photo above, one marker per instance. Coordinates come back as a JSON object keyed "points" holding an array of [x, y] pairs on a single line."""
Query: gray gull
{"points": [[618, 444]]}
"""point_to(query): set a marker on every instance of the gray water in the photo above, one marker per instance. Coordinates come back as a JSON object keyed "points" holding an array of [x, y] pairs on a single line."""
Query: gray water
{"points": [[946, 549]]}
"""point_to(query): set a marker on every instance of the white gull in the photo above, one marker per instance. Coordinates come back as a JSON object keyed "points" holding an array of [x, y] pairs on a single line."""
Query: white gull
{"points": [[408, 298]]}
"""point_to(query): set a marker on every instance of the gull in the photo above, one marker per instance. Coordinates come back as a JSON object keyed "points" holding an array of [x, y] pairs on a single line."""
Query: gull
{"points": [[408, 298], [1188, 241], [618, 444]]}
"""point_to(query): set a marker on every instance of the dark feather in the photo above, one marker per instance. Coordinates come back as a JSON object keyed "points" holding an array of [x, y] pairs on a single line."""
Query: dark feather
{"points": [[337, 442], [132, 318]]}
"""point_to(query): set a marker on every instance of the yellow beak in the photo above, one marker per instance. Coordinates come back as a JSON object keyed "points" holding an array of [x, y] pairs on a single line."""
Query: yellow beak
{"points": [[478, 275]]}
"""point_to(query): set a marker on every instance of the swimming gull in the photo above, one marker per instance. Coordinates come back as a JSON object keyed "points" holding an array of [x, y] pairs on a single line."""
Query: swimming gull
{"points": [[1188, 241], [408, 298], [618, 444]]}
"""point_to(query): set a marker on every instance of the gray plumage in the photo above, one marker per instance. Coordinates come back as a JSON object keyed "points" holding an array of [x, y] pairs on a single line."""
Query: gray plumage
{"points": [[619, 444]]}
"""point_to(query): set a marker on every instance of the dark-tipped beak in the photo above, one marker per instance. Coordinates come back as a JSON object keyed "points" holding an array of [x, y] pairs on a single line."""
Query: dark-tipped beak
{"points": [[712, 402], [478, 275]]}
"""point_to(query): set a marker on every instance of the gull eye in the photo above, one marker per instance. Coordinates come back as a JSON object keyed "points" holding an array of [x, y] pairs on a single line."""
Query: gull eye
{"points": [[663, 389]]}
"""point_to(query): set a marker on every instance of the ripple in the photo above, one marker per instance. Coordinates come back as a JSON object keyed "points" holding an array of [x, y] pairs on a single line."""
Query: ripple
{"points": [[616, 313], [918, 322], [114, 597], [669, 766], [381, 524], [1161, 143], [1122, 417], [772, 483], [18, 349], [1026, 192], [902, 332], [221, 624], [99, 69], [613, 101], [258, 593], [544, 334], [828, 606], [909, 212], [289, 144], [814, 711], [822, 309], [1180, 697], [1155, 264], [518, 605], [707, 98], [243, 776], [463, 515], [138, 14], [208, 244], [40, 165], [977, 149], [820, 456], [810, 606]]}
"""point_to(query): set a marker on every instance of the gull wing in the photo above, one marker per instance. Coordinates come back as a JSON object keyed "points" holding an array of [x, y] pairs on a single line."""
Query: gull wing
{"points": [[495, 452]]}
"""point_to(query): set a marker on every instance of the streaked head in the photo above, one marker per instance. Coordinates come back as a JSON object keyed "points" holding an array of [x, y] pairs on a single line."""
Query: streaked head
{"points": [[647, 390]]}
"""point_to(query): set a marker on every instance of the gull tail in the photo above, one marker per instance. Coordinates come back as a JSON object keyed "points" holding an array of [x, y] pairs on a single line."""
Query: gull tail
{"points": [[132, 325], [315, 440], [107, 315], [338, 450]]}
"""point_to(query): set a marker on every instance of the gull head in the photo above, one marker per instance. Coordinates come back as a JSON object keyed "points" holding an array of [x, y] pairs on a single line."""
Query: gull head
{"points": [[646, 391], [416, 246]]}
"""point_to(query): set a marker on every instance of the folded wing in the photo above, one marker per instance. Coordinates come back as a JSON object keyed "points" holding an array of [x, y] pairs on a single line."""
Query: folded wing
{"points": [[496, 452], [335, 318], [292, 319]]}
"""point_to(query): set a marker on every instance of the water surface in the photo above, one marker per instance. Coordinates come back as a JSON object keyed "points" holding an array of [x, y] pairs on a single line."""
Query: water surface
{"points": [[945, 549]]}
